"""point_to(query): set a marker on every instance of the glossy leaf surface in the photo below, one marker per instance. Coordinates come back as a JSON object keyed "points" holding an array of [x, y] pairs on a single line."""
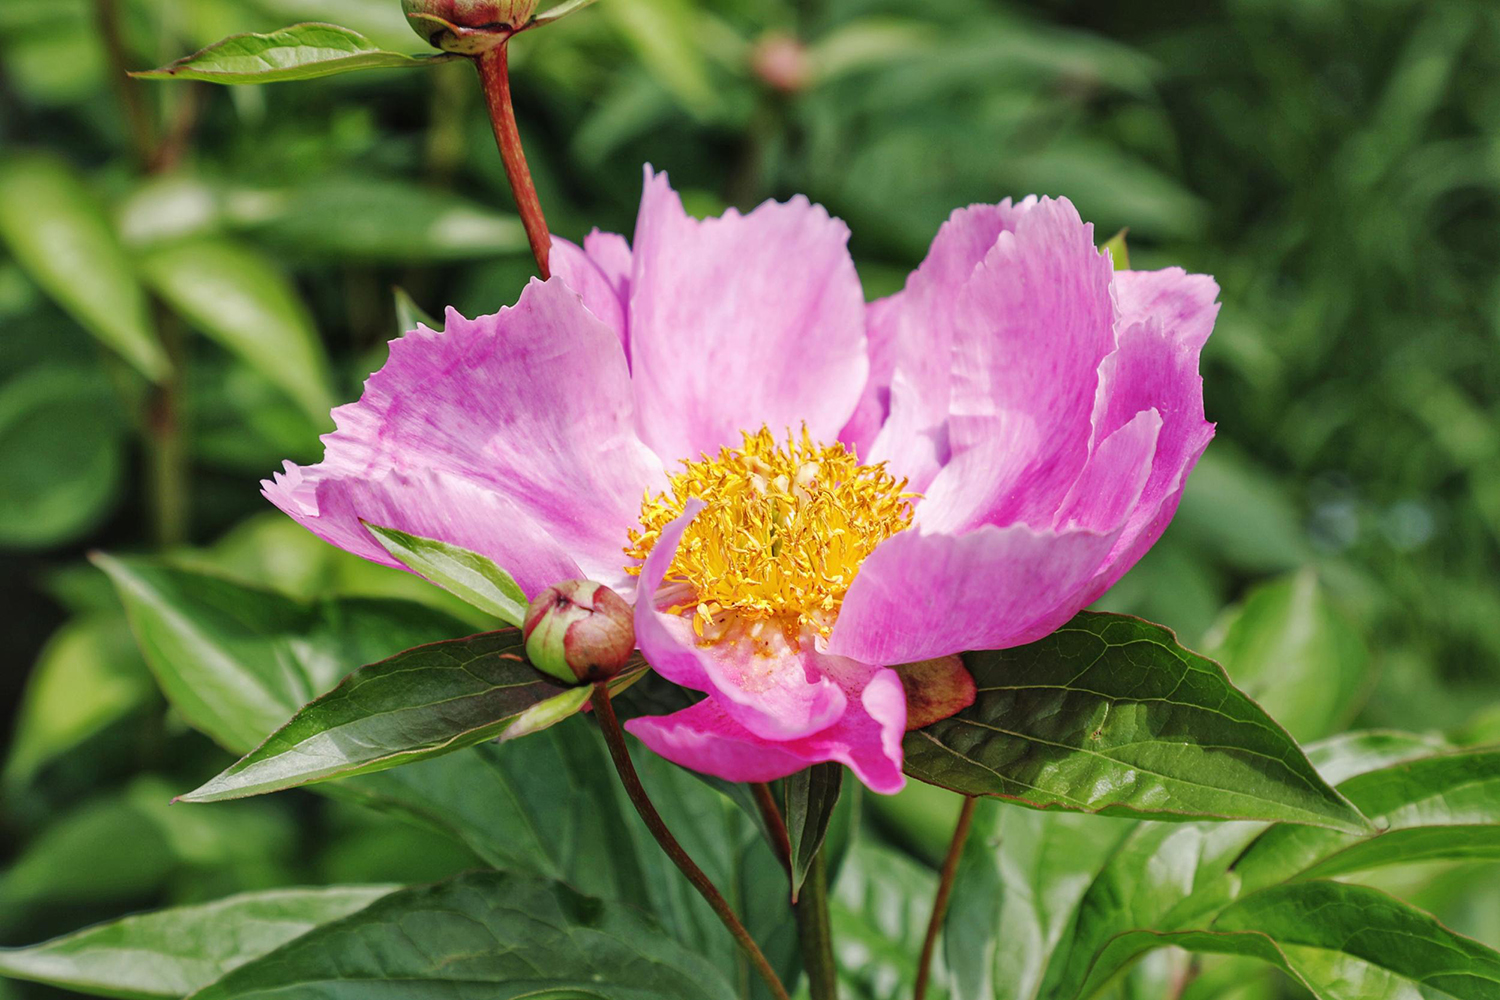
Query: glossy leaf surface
{"points": [[300, 52]]}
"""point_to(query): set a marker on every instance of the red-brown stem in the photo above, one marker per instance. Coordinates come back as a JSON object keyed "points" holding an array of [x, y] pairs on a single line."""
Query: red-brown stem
{"points": [[945, 887], [494, 75], [770, 814], [614, 736]]}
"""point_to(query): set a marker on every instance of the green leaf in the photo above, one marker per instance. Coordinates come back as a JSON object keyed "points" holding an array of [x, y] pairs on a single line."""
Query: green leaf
{"points": [[88, 675], [1339, 758], [59, 234], [300, 52], [468, 575], [1288, 648], [420, 703], [61, 448], [409, 315], [811, 795], [171, 953], [238, 661], [561, 10], [1323, 933], [241, 299], [1110, 715], [1119, 253], [880, 907], [498, 935], [1439, 808]]}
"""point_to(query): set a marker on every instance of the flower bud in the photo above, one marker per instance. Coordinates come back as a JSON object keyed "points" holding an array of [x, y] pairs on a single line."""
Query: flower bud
{"points": [[579, 632], [781, 62], [467, 26]]}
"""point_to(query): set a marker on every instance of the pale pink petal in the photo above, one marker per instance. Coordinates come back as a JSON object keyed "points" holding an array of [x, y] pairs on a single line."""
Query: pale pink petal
{"points": [[741, 321], [776, 696], [1183, 303], [911, 345], [600, 294], [1155, 369], [1034, 322], [867, 738], [610, 252], [432, 504], [875, 402], [1114, 479], [532, 404]]}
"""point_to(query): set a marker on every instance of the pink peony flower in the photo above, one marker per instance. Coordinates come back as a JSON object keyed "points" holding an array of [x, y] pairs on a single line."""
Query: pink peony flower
{"points": [[798, 491]]}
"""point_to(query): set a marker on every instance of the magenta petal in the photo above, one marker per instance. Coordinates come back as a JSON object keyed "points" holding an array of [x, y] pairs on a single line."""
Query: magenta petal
{"points": [[1182, 303], [741, 321], [429, 503], [532, 404], [601, 293], [776, 697], [911, 346], [1155, 369], [867, 738]]}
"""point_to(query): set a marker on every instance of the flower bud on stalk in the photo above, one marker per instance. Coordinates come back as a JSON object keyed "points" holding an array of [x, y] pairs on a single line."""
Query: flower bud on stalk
{"points": [[579, 632], [469, 27]]}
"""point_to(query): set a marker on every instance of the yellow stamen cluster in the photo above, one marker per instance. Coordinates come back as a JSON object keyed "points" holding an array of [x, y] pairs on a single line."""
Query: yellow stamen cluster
{"points": [[785, 528]]}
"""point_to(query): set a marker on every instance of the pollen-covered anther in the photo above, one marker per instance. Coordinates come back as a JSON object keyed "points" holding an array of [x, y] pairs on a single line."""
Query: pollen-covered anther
{"points": [[785, 527]]}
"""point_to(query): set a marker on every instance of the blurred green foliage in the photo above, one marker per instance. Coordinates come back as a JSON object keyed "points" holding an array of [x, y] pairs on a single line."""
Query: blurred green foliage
{"points": [[189, 276]]}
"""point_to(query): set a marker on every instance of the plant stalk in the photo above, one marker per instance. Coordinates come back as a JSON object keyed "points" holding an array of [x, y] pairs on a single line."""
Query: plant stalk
{"points": [[494, 76], [815, 932], [945, 888], [614, 736], [770, 815]]}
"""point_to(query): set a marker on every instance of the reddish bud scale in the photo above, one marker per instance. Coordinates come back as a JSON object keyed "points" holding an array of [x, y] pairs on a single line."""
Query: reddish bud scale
{"points": [[579, 632], [468, 26]]}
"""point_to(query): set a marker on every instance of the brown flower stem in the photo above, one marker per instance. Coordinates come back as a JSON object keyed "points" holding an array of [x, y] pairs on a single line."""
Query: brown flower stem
{"points": [[770, 814], [494, 75], [614, 736], [945, 888], [137, 116], [815, 932]]}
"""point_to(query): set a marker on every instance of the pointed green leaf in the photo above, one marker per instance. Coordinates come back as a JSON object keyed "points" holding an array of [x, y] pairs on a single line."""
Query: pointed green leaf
{"points": [[488, 934], [238, 297], [59, 234], [300, 52], [1119, 253], [409, 315], [171, 953], [1287, 647], [1110, 715], [468, 575], [811, 795], [562, 10], [239, 661], [420, 703]]}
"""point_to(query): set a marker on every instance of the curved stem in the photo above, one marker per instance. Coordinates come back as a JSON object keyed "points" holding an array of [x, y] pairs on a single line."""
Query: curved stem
{"points": [[815, 932], [770, 815], [940, 902], [494, 75], [604, 711]]}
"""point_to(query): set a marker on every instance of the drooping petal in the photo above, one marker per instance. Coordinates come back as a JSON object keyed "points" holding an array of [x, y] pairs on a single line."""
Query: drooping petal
{"points": [[1185, 304], [779, 695], [1034, 322], [922, 595], [429, 503], [602, 292], [741, 321], [532, 404], [1157, 369], [911, 345], [866, 738]]}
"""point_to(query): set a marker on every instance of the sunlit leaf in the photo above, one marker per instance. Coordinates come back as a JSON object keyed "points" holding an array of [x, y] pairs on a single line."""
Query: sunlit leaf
{"points": [[468, 575], [300, 52]]}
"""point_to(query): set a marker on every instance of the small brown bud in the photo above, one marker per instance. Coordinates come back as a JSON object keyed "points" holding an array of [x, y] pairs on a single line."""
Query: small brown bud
{"points": [[469, 27], [781, 62], [579, 632]]}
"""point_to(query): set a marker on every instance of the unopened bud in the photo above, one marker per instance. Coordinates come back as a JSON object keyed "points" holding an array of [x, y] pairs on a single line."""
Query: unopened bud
{"points": [[579, 632], [467, 26], [781, 62]]}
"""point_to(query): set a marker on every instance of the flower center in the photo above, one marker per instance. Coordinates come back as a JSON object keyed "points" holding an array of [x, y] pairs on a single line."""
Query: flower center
{"points": [[785, 528]]}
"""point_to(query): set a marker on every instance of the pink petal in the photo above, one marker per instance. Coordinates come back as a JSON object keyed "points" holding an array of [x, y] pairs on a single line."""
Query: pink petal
{"points": [[1183, 303], [867, 738], [1034, 322], [603, 292], [532, 404], [429, 503], [1153, 368], [741, 321], [911, 346], [776, 697]]}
